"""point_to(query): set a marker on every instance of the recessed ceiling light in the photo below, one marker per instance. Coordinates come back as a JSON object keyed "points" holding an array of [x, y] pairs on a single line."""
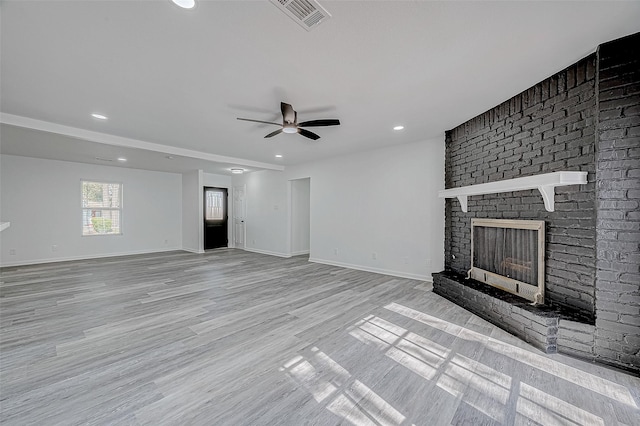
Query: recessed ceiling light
{"points": [[99, 116], [278, 155], [237, 171], [185, 4], [122, 159], [398, 128]]}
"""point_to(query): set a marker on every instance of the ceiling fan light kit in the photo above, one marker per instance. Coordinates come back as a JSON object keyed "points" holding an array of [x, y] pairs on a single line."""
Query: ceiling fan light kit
{"points": [[185, 4], [290, 123]]}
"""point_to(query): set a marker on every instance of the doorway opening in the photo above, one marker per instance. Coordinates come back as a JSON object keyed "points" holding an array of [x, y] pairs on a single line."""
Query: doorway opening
{"points": [[300, 216], [215, 218]]}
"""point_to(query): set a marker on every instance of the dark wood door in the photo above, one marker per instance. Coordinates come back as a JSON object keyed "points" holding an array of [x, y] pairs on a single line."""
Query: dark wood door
{"points": [[215, 218]]}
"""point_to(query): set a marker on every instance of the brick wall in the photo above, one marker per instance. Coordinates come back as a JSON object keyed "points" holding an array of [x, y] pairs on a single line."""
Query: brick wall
{"points": [[618, 200], [587, 118], [550, 127]]}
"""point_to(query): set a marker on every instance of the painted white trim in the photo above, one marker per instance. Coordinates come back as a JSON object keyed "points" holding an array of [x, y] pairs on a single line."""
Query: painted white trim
{"points": [[105, 138], [242, 217], [290, 217], [270, 253], [94, 256], [289, 243], [267, 252], [201, 211], [399, 274], [545, 183], [192, 250]]}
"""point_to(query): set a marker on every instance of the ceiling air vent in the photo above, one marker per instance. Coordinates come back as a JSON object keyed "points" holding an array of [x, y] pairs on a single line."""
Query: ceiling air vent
{"points": [[306, 13]]}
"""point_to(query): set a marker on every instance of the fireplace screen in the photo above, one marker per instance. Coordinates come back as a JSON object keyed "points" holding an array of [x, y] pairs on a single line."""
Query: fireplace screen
{"points": [[509, 254]]}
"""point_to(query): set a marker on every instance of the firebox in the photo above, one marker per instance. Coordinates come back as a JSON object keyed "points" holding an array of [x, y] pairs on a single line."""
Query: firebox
{"points": [[509, 254]]}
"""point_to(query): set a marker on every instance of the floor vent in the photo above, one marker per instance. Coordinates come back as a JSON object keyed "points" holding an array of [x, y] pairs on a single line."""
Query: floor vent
{"points": [[306, 13]]}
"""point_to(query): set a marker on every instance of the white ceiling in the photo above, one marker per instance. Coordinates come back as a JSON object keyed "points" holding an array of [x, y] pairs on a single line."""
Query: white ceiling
{"points": [[173, 81]]}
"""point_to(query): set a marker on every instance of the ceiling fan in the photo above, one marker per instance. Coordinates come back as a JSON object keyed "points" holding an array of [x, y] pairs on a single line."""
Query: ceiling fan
{"points": [[290, 123]]}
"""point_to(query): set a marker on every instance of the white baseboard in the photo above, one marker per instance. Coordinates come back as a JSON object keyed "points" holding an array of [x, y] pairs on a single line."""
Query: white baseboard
{"points": [[399, 274], [192, 250], [299, 253], [93, 256], [270, 253]]}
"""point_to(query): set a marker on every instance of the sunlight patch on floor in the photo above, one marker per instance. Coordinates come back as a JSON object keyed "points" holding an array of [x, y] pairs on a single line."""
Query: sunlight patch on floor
{"points": [[348, 398], [546, 409], [581, 378], [417, 353], [305, 374], [480, 386], [469, 381]]}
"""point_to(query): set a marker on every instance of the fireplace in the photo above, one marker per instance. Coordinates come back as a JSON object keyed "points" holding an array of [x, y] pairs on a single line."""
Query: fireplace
{"points": [[563, 123], [509, 254]]}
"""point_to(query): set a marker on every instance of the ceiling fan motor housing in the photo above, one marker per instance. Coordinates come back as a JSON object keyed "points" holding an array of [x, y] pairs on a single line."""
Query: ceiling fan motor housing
{"points": [[290, 123], [290, 128]]}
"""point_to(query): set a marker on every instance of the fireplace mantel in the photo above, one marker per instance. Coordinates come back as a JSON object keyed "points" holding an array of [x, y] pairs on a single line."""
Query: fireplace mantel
{"points": [[545, 183]]}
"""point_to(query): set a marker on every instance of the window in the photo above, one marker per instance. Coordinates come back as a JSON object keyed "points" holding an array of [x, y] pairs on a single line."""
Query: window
{"points": [[101, 208], [214, 208]]}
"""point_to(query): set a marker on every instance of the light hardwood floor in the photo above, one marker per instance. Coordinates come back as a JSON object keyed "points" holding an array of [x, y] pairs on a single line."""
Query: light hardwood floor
{"points": [[237, 338]]}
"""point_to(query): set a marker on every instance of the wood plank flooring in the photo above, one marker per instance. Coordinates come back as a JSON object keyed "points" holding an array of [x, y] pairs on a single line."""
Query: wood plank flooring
{"points": [[238, 338]]}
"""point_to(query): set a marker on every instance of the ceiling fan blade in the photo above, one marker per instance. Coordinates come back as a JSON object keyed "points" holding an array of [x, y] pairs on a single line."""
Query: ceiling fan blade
{"points": [[272, 134], [320, 123], [288, 114], [259, 121], [308, 134]]}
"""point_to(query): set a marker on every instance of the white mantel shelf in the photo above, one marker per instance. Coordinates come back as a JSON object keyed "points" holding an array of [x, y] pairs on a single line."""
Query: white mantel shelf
{"points": [[545, 183]]}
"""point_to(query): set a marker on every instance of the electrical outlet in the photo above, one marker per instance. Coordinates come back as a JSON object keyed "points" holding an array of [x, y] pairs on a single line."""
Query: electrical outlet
{"points": [[12, 252], [374, 256], [54, 247], [335, 251], [253, 242], [166, 242]]}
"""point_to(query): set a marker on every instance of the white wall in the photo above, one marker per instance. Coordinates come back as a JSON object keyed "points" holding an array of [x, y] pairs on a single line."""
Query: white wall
{"points": [[42, 200], [192, 212], [382, 202], [216, 181], [300, 216], [266, 222]]}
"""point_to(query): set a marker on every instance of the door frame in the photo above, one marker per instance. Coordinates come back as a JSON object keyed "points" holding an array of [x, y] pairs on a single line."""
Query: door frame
{"points": [[290, 217], [234, 188], [204, 215]]}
